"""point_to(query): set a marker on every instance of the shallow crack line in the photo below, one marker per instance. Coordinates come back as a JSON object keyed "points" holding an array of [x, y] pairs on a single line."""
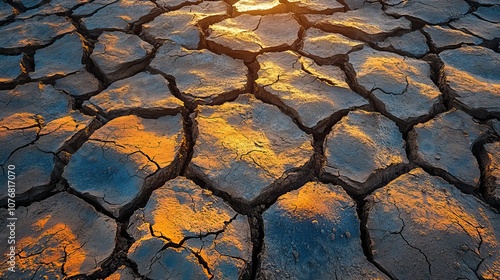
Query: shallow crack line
{"points": [[154, 258], [408, 243], [170, 243], [40, 134], [265, 169], [177, 56], [33, 142], [421, 252], [258, 25], [15, 150], [128, 155], [149, 158], [21, 128], [107, 201], [272, 83], [477, 228], [229, 256], [216, 233], [43, 249], [192, 201], [392, 93], [298, 61], [323, 79], [95, 12], [123, 163]]}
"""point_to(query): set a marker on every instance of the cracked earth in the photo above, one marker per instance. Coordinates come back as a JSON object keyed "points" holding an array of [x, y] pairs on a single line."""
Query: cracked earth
{"points": [[274, 139]]}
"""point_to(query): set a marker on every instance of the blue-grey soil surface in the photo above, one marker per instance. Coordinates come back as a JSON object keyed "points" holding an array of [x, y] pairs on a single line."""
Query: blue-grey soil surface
{"points": [[273, 139]]}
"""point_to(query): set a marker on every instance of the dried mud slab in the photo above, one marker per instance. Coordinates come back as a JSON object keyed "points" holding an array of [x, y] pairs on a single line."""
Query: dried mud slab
{"points": [[489, 13], [242, 147], [363, 149], [201, 75], [35, 168], [114, 165], [313, 94], [428, 10], [320, 44], [182, 26], [444, 37], [59, 237], [6, 11], [185, 232], [473, 77], [246, 35], [207, 10], [400, 86], [313, 233], [33, 32], [80, 84], [258, 7], [91, 8], [490, 158], [412, 43], [10, 69], [118, 15], [118, 55], [368, 23], [311, 6], [177, 26], [143, 94], [445, 143], [61, 58], [21, 127], [43, 8], [36, 123], [421, 227], [478, 27], [174, 4]]}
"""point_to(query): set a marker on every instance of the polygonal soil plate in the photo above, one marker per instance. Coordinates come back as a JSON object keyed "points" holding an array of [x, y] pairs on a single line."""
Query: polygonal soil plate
{"points": [[61, 236], [112, 168], [244, 146], [186, 232], [421, 227]]}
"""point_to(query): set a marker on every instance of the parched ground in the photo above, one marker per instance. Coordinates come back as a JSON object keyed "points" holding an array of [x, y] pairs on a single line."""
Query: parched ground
{"points": [[190, 139]]}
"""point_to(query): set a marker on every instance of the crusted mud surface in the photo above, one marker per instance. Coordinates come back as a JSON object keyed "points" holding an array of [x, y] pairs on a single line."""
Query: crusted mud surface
{"points": [[276, 139]]}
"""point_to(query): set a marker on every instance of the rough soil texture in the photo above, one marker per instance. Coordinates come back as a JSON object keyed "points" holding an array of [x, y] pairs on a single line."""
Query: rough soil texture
{"points": [[276, 139]]}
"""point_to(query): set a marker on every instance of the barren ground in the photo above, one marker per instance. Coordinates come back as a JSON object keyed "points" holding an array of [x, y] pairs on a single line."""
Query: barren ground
{"points": [[190, 139]]}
